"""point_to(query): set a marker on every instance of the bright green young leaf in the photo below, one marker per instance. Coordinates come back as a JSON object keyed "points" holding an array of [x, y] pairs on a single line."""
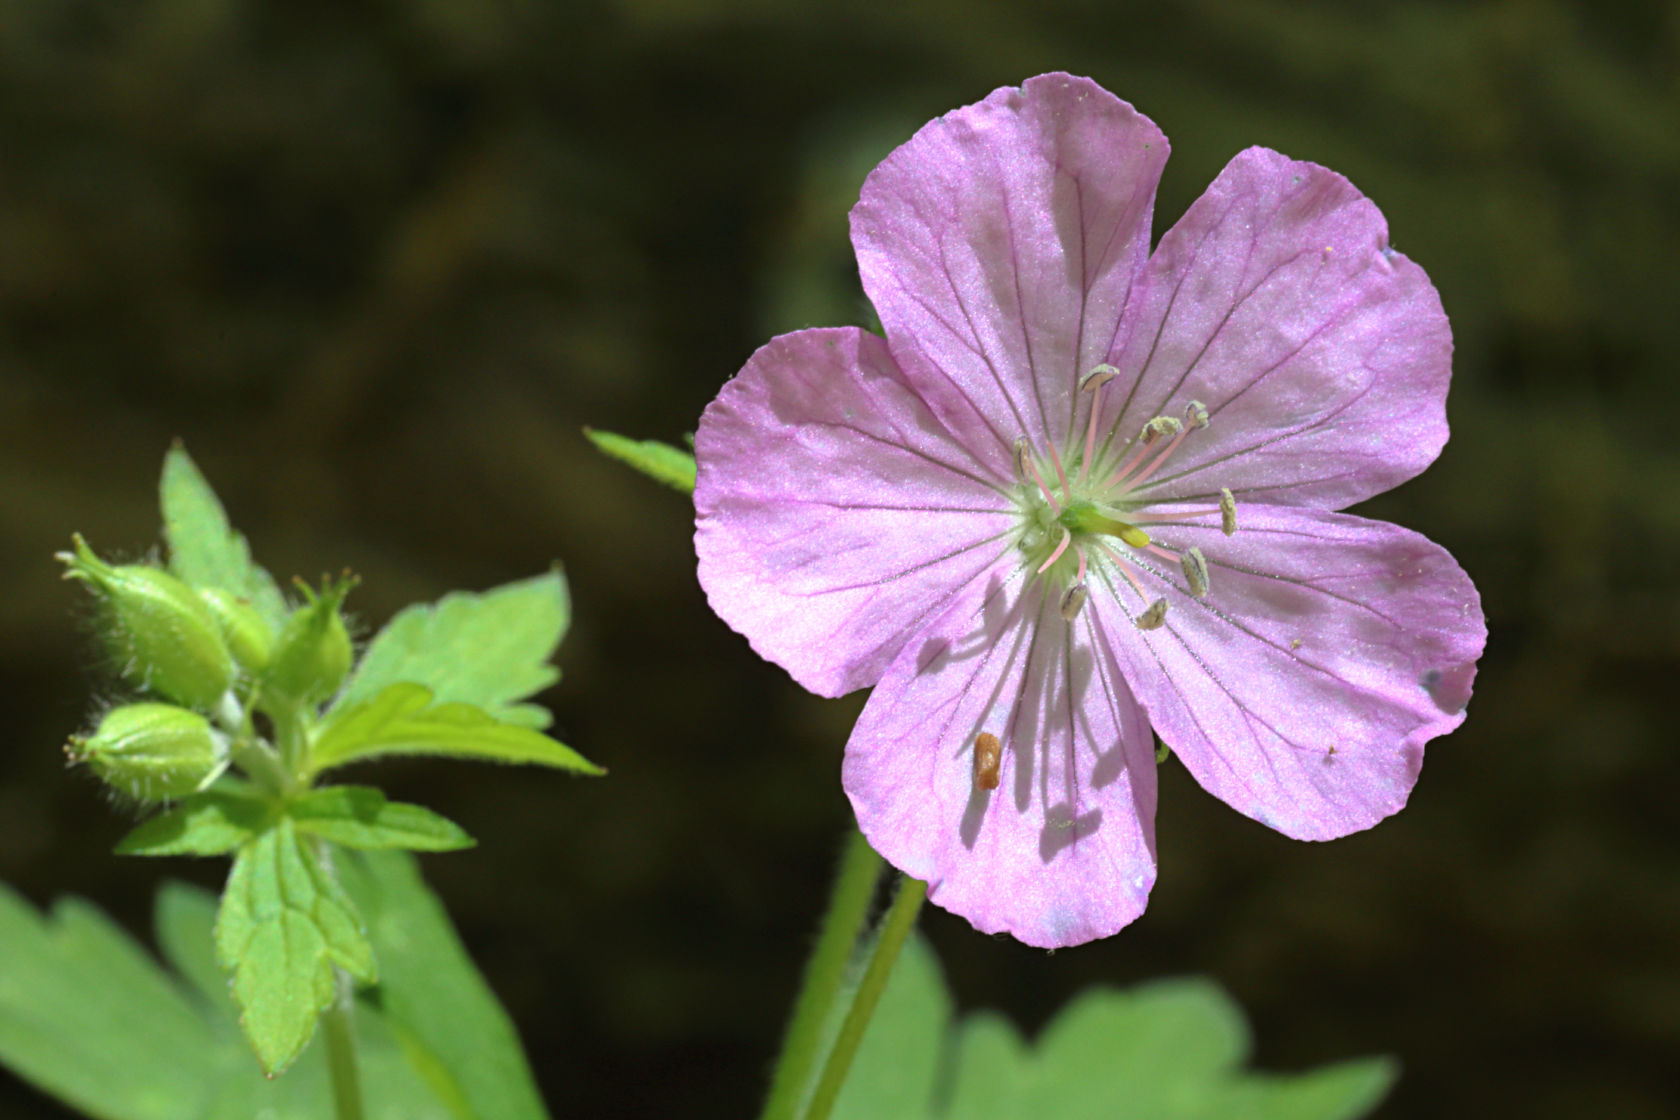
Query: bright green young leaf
{"points": [[283, 924], [211, 823], [434, 999], [403, 719], [87, 1017], [204, 550], [659, 461], [489, 650], [360, 817]]}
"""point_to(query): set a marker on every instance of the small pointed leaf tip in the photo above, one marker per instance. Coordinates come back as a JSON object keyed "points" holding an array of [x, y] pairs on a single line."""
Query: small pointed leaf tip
{"points": [[659, 461]]}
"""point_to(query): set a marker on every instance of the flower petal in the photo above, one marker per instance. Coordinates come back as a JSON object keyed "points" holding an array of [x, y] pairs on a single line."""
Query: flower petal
{"points": [[1328, 651], [1063, 850], [1321, 354], [834, 513], [999, 246]]}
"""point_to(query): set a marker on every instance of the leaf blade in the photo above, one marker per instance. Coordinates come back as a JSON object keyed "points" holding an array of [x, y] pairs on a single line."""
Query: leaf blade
{"points": [[360, 817], [659, 461], [212, 823], [204, 548]]}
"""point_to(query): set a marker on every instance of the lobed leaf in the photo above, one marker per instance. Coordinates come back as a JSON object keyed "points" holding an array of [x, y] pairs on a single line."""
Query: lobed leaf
{"points": [[211, 823], [284, 922], [659, 461], [360, 817], [488, 649], [403, 719], [204, 549]]}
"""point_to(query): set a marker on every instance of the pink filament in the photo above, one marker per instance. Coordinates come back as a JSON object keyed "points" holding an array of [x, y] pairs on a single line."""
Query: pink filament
{"points": [[1126, 467], [1162, 457], [1038, 478], [1060, 473], [1057, 555]]}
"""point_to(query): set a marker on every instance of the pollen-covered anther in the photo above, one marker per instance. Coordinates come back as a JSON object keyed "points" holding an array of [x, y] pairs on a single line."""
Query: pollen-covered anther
{"points": [[1195, 571], [1022, 451], [1097, 378], [1227, 512], [1072, 599], [1196, 414], [1153, 616], [1159, 427]]}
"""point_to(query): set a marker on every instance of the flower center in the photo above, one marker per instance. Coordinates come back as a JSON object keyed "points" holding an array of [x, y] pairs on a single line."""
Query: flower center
{"points": [[1102, 513]]}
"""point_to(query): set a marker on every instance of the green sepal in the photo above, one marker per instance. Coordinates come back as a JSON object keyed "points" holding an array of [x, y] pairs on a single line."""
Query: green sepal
{"points": [[360, 817], [247, 635], [161, 633], [204, 550], [659, 461], [152, 752], [284, 923], [403, 719], [312, 655], [212, 823], [488, 649]]}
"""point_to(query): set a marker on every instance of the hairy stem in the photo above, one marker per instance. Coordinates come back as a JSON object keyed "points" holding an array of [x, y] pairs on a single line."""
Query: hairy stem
{"points": [[825, 972], [895, 927], [340, 1035]]}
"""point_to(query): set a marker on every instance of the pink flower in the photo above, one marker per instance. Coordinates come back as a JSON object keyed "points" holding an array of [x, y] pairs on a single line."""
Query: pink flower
{"points": [[1080, 491]]}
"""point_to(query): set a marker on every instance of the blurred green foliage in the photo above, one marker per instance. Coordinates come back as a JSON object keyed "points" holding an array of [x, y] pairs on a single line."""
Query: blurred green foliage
{"points": [[379, 263]]}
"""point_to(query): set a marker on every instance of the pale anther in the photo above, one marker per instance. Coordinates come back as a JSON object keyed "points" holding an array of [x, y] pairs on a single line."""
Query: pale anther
{"points": [[1160, 426], [1195, 571], [1196, 414], [1154, 616], [1097, 378], [1072, 599], [1227, 512], [1022, 450]]}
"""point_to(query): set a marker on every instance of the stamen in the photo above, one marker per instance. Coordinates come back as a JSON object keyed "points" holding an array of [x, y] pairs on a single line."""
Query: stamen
{"points": [[1158, 427], [1022, 453], [1026, 461], [1124, 568], [1072, 599], [1093, 382], [1195, 572], [1227, 512], [1152, 618], [988, 754], [1067, 491], [1125, 468], [1196, 414], [1080, 552], [1154, 464], [1061, 547]]}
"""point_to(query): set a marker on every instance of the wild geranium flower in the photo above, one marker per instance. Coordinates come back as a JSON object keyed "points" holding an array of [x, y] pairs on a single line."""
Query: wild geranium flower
{"points": [[1080, 491]]}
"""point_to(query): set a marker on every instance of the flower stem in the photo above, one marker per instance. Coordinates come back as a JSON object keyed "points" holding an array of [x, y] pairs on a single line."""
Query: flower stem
{"points": [[825, 972], [341, 1053], [900, 919]]}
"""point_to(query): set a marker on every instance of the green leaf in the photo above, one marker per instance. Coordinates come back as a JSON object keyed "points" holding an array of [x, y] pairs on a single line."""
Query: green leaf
{"points": [[436, 1002], [897, 1063], [360, 817], [204, 550], [488, 650], [403, 719], [659, 461], [995, 1074], [85, 1016], [211, 823], [283, 924]]}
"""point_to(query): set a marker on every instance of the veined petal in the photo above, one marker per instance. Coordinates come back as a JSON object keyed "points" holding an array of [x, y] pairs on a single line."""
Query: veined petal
{"points": [[834, 512], [1322, 355], [999, 246], [1063, 850], [1328, 651]]}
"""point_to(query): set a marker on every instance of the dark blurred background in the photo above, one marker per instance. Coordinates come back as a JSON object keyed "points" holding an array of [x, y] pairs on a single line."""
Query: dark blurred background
{"points": [[377, 264]]}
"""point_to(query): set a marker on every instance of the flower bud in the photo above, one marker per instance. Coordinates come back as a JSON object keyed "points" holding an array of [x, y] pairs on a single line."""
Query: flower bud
{"points": [[153, 752], [164, 637], [243, 629], [312, 656]]}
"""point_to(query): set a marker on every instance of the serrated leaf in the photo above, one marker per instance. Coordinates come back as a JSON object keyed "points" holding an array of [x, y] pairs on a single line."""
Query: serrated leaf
{"points": [[283, 924], [211, 823], [659, 461], [85, 1016], [360, 817], [204, 549], [435, 1000], [488, 649], [403, 719]]}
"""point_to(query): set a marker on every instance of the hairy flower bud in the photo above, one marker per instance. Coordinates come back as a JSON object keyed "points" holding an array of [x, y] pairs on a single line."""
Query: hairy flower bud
{"points": [[164, 636], [247, 636], [312, 656], [153, 752]]}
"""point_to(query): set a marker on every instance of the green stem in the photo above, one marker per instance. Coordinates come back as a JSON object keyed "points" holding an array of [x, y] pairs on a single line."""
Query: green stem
{"points": [[900, 920], [341, 1053], [825, 972]]}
